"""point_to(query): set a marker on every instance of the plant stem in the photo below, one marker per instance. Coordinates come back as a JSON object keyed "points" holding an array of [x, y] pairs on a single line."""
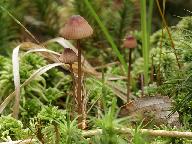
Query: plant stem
{"points": [[73, 79], [129, 76], [169, 34], [151, 132], [79, 96]]}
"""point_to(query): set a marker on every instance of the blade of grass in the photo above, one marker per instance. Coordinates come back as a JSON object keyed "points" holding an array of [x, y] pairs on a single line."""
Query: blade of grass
{"points": [[107, 35], [18, 22], [145, 41], [149, 24], [16, 77], [41, 50]]}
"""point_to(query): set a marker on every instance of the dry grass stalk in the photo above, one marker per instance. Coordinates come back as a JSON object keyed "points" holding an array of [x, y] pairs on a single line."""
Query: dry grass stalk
{"points": [[150, 132]]}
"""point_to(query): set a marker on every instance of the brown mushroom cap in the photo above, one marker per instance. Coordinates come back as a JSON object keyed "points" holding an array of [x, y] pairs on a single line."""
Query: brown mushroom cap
{"points": [[130, 42], [76, 28], [68, 56]]}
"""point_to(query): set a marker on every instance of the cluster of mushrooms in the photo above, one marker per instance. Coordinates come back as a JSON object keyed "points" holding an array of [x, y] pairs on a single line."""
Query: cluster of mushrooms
{"points": [[77, 28]]}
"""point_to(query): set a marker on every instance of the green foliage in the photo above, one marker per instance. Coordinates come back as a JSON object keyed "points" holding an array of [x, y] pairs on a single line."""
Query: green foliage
{"points": [[138, 137], [51, 114], [95, 92], [71, 134], [10, 127], [56, 122], [108, 123]]}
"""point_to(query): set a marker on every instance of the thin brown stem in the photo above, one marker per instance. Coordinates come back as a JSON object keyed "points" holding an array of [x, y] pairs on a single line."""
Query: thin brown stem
{"points": [[169, 34], [159, 66], [79, 96], [129, 76], [73, 79], [161, 43]]}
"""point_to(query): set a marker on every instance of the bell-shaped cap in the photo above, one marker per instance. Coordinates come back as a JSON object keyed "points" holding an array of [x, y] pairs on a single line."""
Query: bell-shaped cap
{"points": [[130, 42], [68, 56], [76, 28]]}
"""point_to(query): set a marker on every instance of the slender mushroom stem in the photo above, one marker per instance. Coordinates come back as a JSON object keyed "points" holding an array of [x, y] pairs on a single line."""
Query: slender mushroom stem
{"points": [[73, 79], [79, 96], [129, 75], [142, 85]]}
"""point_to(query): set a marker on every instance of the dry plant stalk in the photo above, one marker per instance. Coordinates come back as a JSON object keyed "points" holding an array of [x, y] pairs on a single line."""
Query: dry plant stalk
{"points": [[27, 141], [150, 132]]}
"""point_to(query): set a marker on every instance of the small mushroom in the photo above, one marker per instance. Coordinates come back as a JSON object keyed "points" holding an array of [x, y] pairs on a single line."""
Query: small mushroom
{"points": [[77, 28], [68, 56], [130, 42]]}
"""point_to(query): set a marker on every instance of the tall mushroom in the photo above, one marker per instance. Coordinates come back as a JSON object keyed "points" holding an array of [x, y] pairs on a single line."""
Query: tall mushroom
{"points": [[130, 42], [77, 28]]}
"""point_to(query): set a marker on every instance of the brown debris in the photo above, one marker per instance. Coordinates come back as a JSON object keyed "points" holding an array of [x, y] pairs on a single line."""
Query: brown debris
{"points": [[151, 109]]}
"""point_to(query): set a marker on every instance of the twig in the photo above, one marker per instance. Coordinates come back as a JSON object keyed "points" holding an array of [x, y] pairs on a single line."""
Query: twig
{"points": [[155, 133]]}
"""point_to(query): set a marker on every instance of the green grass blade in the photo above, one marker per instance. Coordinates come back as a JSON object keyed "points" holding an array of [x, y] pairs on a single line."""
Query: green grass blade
{"points": [[145, 46], [107, 35]]}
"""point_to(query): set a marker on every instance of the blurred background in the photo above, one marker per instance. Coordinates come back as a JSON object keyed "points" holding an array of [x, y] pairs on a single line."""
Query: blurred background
{"points": [[44, 18]]}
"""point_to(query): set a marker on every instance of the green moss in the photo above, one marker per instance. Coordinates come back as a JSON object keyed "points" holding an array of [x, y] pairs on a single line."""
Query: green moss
{"points": [[10, 127]]}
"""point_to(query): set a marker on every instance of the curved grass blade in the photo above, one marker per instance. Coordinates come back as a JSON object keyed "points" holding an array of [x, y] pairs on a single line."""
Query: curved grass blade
{"points": [[16, 77], [19, 23], [64, 43], [41, 50], [37, 73]]}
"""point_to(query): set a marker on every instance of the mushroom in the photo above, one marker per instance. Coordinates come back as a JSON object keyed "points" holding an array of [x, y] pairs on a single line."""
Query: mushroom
{"points": [[130, 42], [68, 56], [77, 28]]}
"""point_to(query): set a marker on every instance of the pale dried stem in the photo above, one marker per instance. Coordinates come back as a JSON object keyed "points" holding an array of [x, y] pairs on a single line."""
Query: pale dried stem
{"points": [[150, 132]]}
